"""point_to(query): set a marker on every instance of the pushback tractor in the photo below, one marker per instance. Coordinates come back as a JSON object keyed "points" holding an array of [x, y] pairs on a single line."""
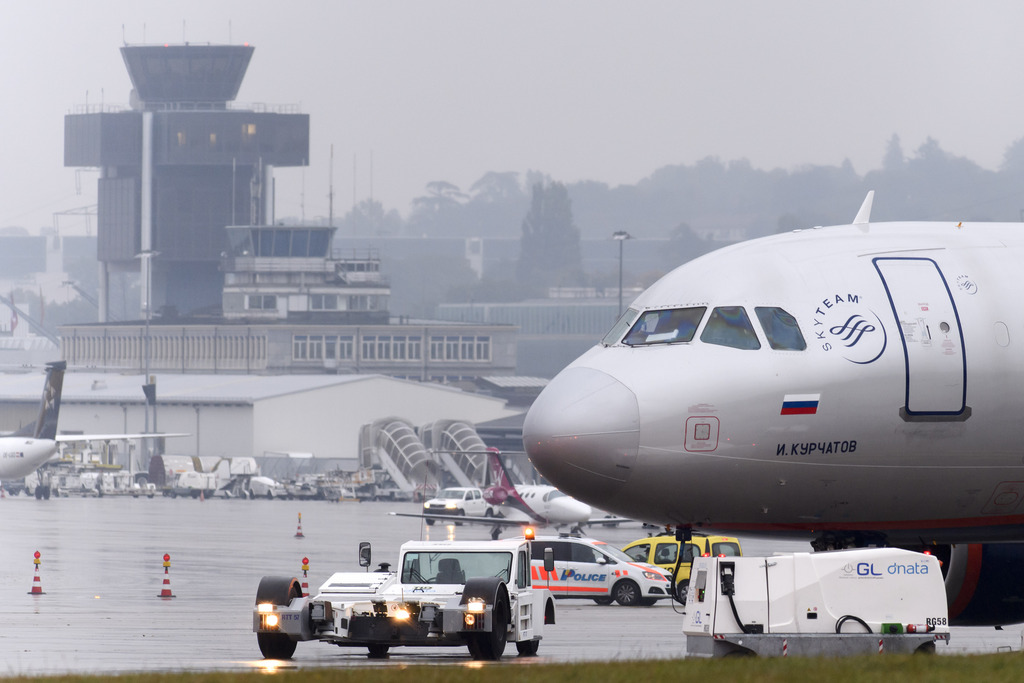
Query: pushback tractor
{"points": [[457, 593], [843, 602]]}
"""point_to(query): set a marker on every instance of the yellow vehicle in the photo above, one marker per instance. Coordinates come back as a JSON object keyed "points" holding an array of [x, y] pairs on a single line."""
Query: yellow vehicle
{"points": [[663, 551]]}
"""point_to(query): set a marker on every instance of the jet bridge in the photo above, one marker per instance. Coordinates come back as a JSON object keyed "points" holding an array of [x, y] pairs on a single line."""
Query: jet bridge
{"points": [[458, 448], [393, 444]]}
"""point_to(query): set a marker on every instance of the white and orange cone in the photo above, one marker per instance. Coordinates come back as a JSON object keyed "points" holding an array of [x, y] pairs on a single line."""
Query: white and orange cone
{"points": [[305, 580], [165, 592], [37, 587], [298, 532]]}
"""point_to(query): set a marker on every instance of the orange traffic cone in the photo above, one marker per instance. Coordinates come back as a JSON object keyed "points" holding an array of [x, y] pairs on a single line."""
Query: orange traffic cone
{"points": [[298, 533], [166, 591], [305, 580], [37, 587]]}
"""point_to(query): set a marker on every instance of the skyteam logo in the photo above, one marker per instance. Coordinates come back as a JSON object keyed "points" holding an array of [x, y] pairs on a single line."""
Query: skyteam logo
{"points": [[966, 284], [843, 325]]}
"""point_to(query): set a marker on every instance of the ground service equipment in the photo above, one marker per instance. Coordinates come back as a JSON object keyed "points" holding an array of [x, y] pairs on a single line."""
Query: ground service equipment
{"points": [[843, 602], [456, 593]]}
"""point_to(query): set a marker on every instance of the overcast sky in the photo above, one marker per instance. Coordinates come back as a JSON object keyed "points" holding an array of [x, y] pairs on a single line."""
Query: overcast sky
{"points": [[608, 91]]}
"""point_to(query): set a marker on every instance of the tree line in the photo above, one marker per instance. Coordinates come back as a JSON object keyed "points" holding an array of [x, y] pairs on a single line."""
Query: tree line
{"points": [[719, 199], [695, 208]]}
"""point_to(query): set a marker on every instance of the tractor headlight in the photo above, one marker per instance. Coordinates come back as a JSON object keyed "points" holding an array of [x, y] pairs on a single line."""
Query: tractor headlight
{"points": [[474, 615], [269, 619]]}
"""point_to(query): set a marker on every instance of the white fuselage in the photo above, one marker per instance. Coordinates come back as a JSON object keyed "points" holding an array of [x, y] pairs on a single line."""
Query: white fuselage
{"points": [[548, 503], [902, 416], [19, 456]]}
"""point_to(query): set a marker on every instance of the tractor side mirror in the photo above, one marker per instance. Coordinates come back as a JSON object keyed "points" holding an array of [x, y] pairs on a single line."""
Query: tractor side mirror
{"points": [[549, 559], [364, 554]]}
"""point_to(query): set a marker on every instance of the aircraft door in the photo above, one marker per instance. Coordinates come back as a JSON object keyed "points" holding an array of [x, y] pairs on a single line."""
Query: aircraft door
{"points": [[933, 345]]}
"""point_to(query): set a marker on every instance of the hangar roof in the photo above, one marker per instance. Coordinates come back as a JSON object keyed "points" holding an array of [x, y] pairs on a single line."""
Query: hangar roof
{"points": [[219, 389]]}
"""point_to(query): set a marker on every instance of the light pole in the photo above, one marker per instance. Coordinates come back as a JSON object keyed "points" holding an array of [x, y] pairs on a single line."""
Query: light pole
{"points": [[621, 236], [147, 282]]}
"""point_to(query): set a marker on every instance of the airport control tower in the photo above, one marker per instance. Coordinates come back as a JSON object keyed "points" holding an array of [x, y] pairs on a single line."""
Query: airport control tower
{"points": [[179, 166]]}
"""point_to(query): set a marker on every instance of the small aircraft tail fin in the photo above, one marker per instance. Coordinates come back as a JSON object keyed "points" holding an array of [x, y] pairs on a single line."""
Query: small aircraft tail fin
{"points": [[864, 215], [49, 407], [501, 489], [499, 476]]}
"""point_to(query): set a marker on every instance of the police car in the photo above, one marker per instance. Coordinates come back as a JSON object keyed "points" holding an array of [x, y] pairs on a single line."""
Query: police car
{"points": [[586, 568]]}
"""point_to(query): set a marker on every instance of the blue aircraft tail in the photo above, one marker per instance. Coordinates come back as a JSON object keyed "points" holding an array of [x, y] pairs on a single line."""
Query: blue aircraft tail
{"points": [[45, 426]]}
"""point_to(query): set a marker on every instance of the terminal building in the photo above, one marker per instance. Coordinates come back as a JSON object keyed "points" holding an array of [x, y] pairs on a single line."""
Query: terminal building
{"points": [[288, 307]]}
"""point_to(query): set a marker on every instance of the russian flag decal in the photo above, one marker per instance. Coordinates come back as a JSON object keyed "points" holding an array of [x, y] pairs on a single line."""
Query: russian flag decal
{"points": [[800, 404]]}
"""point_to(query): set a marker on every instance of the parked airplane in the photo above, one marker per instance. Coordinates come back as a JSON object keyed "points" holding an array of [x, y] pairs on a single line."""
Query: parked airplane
{"points": [[517, 505], [24, 451], [855, 385]]}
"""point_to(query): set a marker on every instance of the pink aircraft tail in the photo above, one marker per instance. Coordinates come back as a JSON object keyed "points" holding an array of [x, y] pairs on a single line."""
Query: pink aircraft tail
{"points": [[501, 490]]}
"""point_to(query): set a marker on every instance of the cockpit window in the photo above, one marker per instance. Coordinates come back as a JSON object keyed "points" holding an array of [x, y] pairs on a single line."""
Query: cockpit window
{"points": [[665, 326], [730, 326], [781, 329], [620, 327]]}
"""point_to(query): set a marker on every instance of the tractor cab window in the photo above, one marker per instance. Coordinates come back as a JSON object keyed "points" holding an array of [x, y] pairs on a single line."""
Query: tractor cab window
{"points": [[454, 567], [523, 570]]}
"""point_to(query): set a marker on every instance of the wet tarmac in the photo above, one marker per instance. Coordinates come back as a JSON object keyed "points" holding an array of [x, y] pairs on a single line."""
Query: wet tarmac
{"points": [[102, 571]]}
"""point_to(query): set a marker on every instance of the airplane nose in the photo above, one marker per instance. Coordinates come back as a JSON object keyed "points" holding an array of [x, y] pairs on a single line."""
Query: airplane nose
{"points": [[583, 432], [566, 510]]}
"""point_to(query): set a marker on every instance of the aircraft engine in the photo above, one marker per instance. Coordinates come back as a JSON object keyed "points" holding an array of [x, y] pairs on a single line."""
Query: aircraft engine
{"points": [[983, 585]]}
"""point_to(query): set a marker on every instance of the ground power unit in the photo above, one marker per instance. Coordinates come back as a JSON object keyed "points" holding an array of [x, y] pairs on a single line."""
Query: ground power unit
{"points": [[843, 602]]}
